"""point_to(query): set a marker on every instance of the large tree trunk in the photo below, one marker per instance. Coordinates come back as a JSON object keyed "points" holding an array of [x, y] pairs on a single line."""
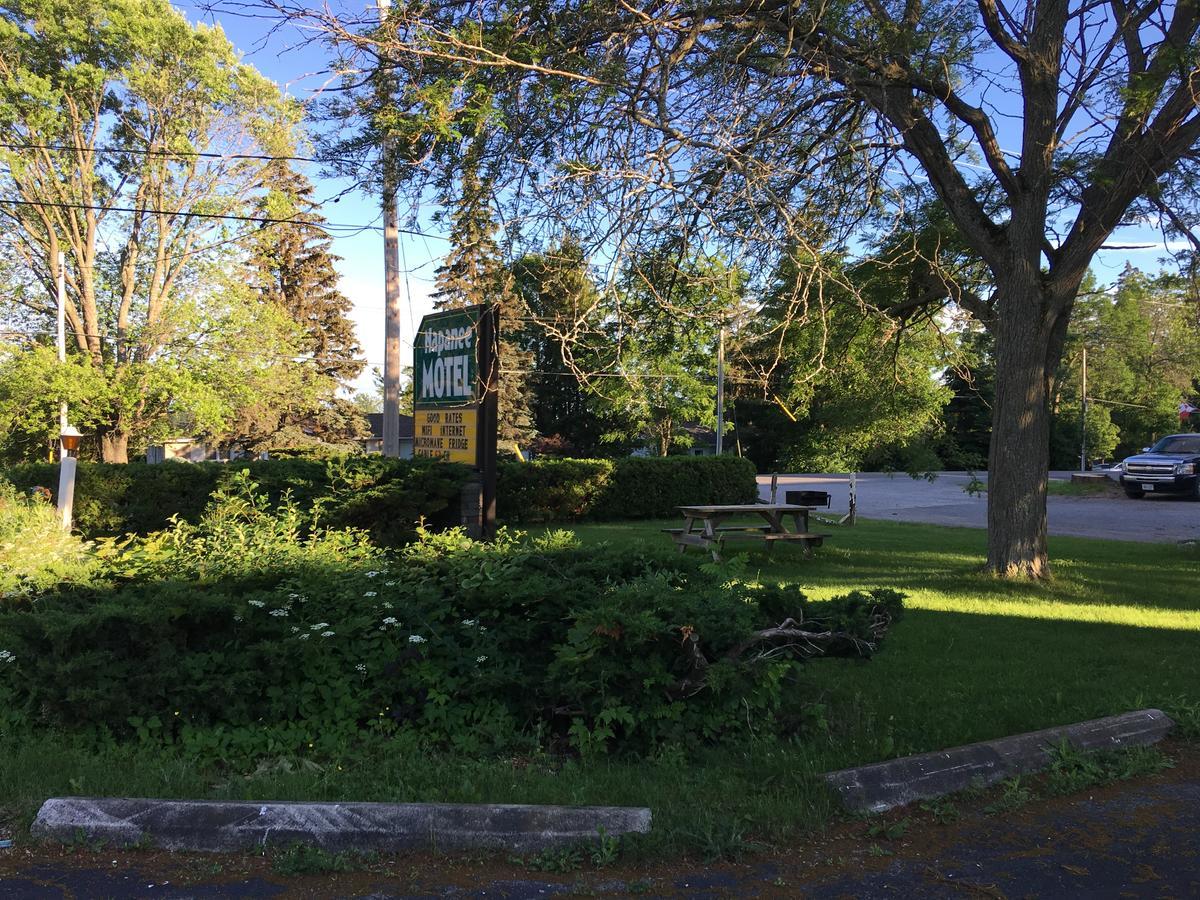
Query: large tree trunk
{"points": [[114, 446], [1027, 355]]}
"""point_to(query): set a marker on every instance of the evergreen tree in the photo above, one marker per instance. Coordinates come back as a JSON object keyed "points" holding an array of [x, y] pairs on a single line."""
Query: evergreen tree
{"points": [[473, 273], [292, 266], [565, 338]]}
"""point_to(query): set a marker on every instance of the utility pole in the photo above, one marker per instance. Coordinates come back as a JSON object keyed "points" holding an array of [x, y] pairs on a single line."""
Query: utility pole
{"points": [[1083, 418], [721, 392], [61, 337], [391, 275]]}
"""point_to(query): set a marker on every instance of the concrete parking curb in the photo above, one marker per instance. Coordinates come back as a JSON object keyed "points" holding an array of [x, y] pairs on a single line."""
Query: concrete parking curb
{"points": [[220, 826], [897, 782]]}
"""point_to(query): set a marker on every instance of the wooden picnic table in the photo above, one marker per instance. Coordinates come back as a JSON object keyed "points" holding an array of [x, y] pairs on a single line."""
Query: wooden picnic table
{"points": [[711, 534]]}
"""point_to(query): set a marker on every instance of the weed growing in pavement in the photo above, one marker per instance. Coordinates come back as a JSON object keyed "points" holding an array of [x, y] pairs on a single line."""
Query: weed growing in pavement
{"points": [[608, 848], [305, 859], [942, 809], [721, 838], [558, 860], [1072, 771], [890, 831], [1013, 795]]}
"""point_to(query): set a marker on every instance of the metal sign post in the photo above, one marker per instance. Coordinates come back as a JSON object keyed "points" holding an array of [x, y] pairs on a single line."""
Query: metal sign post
{"points": [[489, 408]]}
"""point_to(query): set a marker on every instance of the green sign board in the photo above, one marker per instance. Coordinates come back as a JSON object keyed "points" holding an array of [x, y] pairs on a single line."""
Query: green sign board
{"points": [[444, 359]]}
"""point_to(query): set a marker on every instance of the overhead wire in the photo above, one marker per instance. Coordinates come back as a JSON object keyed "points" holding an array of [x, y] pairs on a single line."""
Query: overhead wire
{"points": [[327, 226], [205, 154]]}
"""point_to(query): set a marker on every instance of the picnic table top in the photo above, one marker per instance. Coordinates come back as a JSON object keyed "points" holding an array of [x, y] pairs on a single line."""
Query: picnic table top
{"points": [[747, 508]]}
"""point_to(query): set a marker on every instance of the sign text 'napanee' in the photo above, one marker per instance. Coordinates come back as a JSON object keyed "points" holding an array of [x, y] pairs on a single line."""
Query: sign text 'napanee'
{"points": [[444, 359]]}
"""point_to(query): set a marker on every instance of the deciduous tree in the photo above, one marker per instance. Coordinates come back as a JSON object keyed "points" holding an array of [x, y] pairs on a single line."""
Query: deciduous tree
{"points": [[129, 136], [763, 128]]}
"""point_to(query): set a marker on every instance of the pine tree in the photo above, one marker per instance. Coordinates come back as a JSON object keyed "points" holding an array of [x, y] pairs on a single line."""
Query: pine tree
{"points": [[291, 265], [473, 273]]}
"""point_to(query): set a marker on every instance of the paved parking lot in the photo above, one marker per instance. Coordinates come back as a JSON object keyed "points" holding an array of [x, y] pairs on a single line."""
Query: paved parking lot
{"points": [[944, 501]]}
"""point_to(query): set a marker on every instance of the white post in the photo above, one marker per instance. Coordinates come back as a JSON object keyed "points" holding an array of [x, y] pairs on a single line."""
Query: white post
{"points": [[1083, 418], [391, 277], [62, 336], [66, 489], [721, 393]]}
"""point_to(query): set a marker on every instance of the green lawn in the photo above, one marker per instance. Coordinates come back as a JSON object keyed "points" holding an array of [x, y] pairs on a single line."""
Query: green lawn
{"points": [[1118, 628], [975, 657]]}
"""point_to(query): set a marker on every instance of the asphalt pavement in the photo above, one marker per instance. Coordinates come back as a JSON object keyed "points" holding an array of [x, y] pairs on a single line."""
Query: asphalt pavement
{"points": [[944, 501]]}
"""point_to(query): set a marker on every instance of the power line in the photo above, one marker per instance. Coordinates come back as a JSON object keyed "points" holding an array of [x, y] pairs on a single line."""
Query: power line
{"points": [[226, 216], [139, 151]]}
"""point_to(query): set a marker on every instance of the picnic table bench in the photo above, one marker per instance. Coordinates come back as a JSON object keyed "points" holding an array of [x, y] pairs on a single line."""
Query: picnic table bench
{"points": [[702, 526]]}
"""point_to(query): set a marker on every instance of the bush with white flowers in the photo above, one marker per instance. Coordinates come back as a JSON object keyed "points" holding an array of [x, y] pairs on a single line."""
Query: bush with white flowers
{"points": [[247, 634]]}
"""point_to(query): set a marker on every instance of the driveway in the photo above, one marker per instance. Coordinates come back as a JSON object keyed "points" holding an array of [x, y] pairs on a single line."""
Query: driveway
{"points": [[944, 501]]}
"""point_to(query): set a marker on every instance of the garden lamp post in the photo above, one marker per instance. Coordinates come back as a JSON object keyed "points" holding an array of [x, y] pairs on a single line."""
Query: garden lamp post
{"points": [[70, 438]]}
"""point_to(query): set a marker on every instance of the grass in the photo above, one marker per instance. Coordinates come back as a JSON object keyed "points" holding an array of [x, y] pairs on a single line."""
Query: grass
{"points": [[1056, 487], [1106, 488], [1117, 628], [976, 657]]}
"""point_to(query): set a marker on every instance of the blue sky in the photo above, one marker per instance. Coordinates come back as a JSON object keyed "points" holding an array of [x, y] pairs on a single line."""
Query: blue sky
{"points": [[300, 71]]}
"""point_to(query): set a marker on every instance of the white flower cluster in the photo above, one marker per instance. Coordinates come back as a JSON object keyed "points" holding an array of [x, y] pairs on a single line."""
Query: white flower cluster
{"points": [[257, 603], [369, 594], [470, 623], [416, 639], [481, 659], [391, 620], [361, 669], [279, 613], [372, 574], [7, 657]]}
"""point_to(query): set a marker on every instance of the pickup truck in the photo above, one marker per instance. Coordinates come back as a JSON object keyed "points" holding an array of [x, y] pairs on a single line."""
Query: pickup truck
{"points": [[1172, 466]]}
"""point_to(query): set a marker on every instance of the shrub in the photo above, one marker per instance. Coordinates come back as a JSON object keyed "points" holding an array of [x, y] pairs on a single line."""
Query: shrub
{"points": [[387, 495], [653, 487], [35, 552], [246, 635], [551, 490], [388, 500], [557, 490]]}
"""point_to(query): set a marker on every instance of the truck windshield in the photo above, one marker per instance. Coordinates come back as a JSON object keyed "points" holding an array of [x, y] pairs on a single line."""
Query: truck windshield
{"points": [[1178, 443]]}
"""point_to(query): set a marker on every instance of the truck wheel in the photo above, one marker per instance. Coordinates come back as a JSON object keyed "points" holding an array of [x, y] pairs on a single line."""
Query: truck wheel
{"points": [[1134, 494]]}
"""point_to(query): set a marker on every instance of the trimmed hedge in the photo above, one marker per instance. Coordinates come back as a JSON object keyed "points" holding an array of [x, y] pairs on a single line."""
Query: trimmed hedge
{"points": [[384, 496], [556, 490], [388, 496]]}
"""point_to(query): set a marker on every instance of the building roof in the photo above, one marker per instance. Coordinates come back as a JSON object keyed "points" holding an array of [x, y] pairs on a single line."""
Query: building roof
{"points": [[701, 434], [376, 422]]}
